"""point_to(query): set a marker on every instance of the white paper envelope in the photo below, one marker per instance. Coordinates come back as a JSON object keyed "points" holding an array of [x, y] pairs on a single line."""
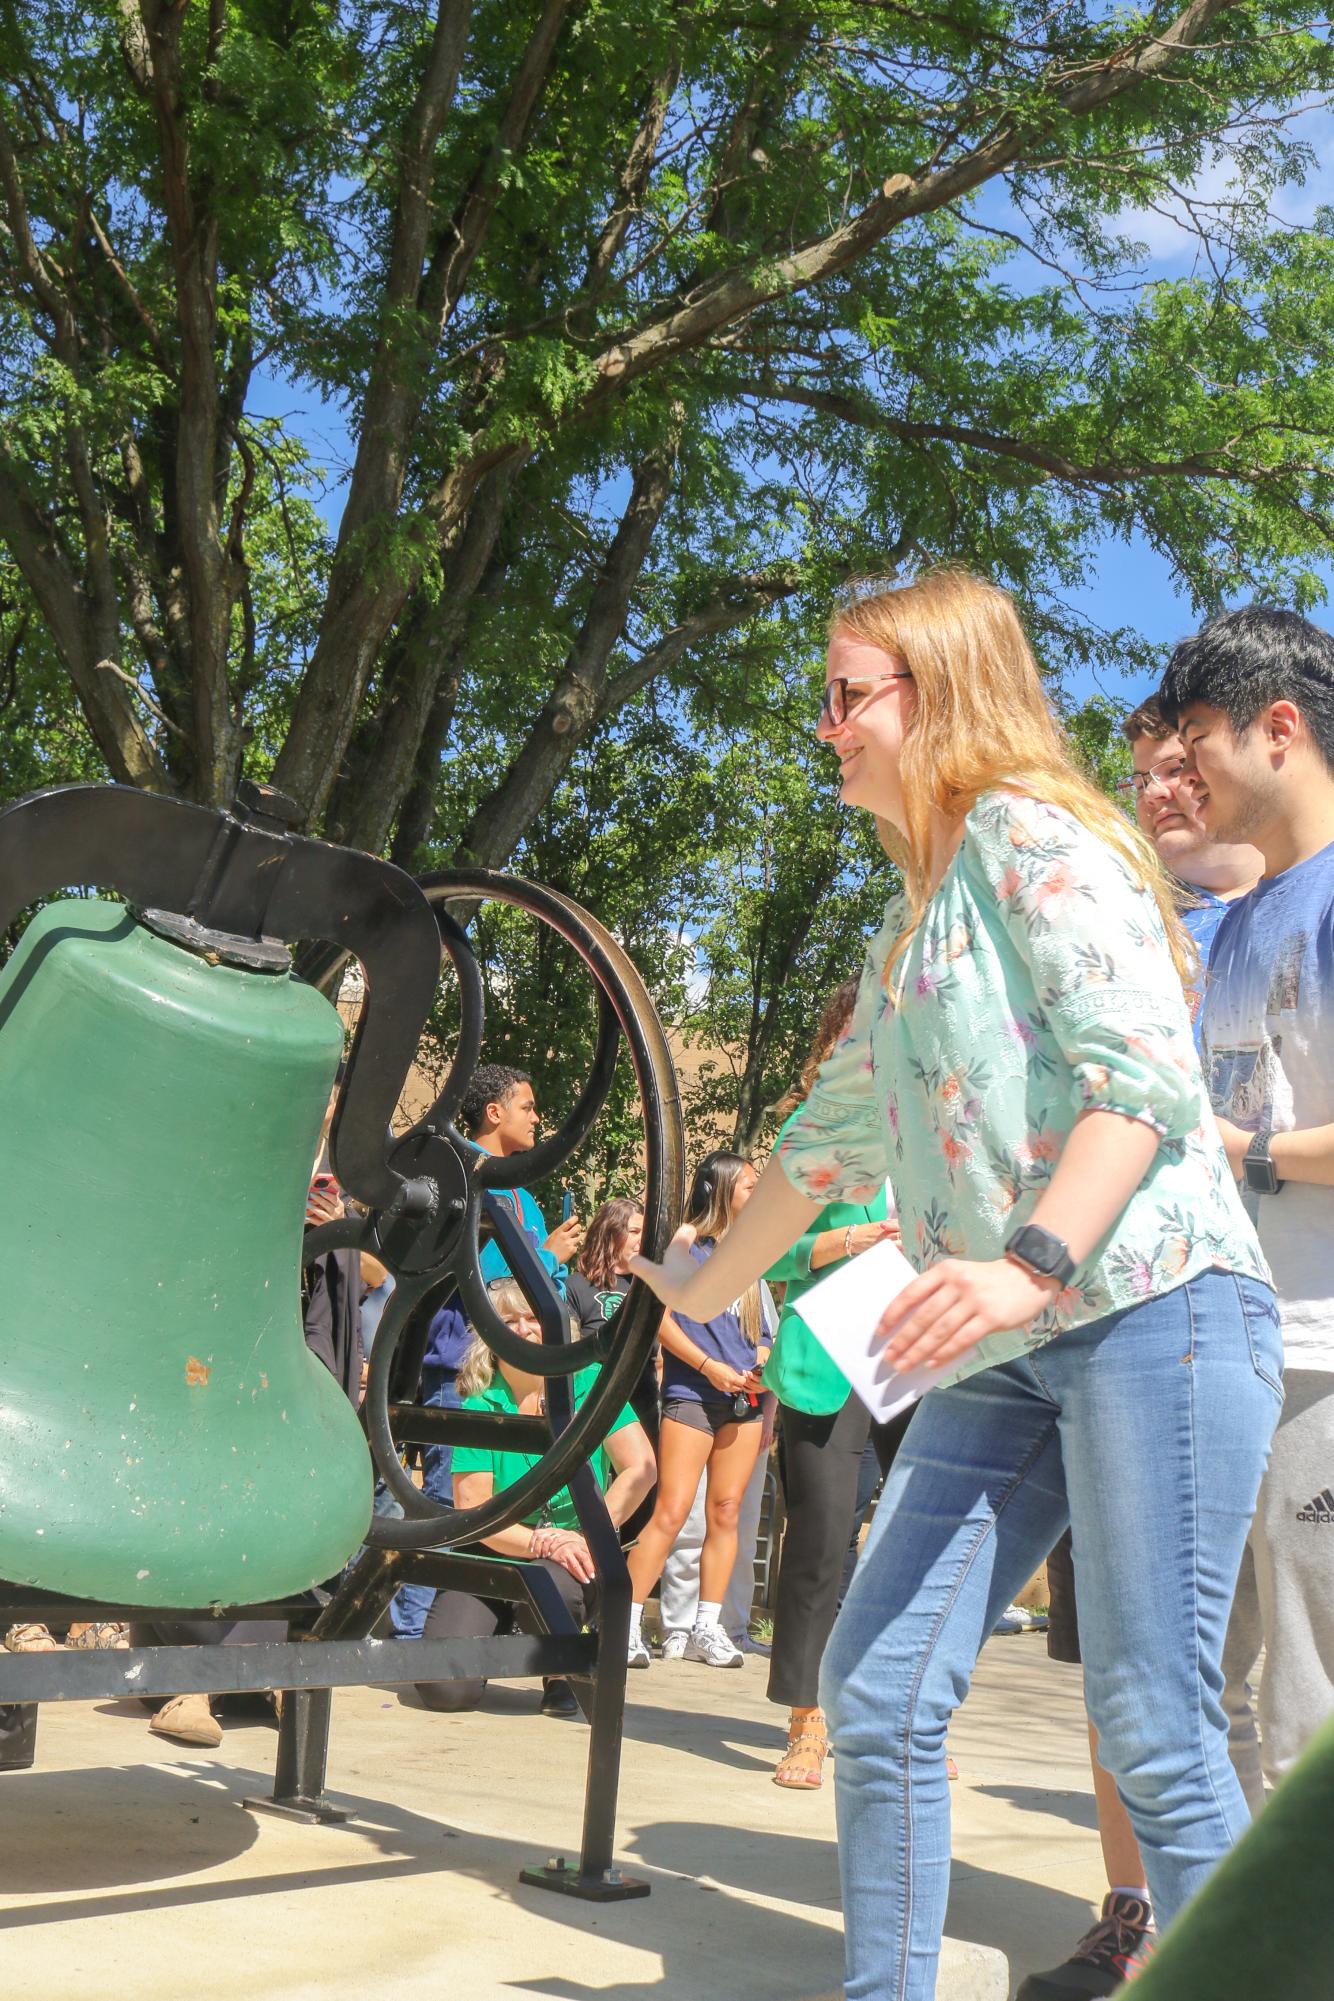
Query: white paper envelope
{"points": [[842, 1312]]}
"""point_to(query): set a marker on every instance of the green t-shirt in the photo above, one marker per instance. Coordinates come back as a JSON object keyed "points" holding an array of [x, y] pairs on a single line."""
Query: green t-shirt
{"points": [[799, 1371], [506, 1467]]}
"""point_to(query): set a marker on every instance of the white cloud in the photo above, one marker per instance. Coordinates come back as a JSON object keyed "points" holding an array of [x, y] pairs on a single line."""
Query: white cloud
{"points": [[1171, 238]]}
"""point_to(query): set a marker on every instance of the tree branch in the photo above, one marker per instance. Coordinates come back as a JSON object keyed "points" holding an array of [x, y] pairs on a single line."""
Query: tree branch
{"points": [[396, 381], [192, 234], [1197, 465], [465, 234], [631, 186], [76, 628], [732, 294]]}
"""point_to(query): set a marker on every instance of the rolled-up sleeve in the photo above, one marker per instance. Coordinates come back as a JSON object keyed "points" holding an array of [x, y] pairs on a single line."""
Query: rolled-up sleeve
{"points": [[1098, 956], [836, 1147]]}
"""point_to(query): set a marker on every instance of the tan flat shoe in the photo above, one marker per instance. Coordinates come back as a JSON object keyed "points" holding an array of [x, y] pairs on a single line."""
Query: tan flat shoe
{"points": [[187, 1719], [31, 1639]]}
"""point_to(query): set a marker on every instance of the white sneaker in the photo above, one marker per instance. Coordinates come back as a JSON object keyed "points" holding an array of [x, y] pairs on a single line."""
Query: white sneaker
{"points": [[638, 1655], [1017, 1619], [711, 1645], [674, 1646]]}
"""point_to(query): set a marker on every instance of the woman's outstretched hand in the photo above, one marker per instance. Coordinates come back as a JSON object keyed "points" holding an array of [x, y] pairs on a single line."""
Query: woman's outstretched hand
{"points": [[956, 1304], [671, 1279]]}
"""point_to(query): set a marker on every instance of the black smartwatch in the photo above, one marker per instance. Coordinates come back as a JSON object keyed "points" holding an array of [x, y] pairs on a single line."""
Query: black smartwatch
{"points": [[1041, 1252], [1258, 1170]]}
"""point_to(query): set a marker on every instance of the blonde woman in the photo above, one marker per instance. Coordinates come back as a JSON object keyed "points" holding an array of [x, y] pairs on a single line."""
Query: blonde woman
{"points": [[551, 1535], [1091, 1299], [712, 1423]]}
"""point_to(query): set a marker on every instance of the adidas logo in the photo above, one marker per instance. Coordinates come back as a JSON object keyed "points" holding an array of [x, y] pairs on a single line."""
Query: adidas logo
{"points": [[1321, 1509]]}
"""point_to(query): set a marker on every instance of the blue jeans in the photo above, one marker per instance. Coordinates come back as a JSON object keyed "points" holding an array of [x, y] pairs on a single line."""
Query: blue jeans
{"points": [[1148, 1432], [413, 1601]]}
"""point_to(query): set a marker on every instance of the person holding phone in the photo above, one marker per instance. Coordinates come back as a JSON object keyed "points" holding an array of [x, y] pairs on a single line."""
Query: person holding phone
{"points": [[711, 1424]]}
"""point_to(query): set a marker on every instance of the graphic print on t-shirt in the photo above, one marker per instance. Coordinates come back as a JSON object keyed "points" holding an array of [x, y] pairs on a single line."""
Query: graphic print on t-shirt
{"points": [[1285, 988], [1267, 1048], [1248, 1086]]}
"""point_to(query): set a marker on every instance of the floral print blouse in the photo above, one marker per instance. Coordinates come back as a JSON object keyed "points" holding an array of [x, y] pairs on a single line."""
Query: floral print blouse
{"points": [[1039, 984]]}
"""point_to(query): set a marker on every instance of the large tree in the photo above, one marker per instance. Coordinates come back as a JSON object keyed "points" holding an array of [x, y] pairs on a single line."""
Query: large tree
{"points": [[644, 321]]}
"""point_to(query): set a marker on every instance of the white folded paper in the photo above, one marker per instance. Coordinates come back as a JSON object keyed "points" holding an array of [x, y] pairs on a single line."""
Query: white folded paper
{"points": [[843, 1311]]}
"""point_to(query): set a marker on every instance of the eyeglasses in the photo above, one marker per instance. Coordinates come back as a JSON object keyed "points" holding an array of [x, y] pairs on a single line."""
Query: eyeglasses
{"points": [[1166, 774], [834, 701]]}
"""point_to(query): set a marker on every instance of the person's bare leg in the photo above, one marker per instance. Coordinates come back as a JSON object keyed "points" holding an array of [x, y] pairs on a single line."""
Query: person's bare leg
{"points": [[683, 1453], [1120, 1850], [731, 1463]]}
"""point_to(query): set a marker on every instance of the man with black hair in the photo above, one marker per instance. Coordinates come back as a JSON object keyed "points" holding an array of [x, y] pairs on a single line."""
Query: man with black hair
{"points": [[498, 1113], [1252, 695]]}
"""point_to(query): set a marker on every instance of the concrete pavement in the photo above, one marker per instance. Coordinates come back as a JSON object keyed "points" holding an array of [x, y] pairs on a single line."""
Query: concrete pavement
{"points": [[126, 1870]]}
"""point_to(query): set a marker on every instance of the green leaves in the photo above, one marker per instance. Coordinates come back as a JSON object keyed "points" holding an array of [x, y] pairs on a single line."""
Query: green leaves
{"points": [[355, 493]]}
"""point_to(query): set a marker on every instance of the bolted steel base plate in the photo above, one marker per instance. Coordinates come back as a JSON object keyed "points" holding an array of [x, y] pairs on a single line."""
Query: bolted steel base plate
{"points": [[611, 1887], [310, 1811]]}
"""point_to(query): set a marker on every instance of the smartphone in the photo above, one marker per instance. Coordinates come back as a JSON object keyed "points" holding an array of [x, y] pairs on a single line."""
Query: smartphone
{"points": [[326, 1183], [566, 1205]]}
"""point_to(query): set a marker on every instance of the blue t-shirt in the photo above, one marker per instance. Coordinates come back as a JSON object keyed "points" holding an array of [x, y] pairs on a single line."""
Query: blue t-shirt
{"points": [[1267, 1047], [1202, 921], [722, 1336], [449, 1339]]}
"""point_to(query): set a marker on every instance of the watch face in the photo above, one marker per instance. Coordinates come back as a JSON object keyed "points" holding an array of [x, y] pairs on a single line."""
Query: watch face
{"points": [[1041, 1251], [1261, 1176]]}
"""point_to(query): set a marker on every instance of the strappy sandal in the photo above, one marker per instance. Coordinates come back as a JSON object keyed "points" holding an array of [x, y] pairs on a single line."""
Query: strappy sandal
{"points": [[801, 1767], [106, 1634], [31, 1639]]}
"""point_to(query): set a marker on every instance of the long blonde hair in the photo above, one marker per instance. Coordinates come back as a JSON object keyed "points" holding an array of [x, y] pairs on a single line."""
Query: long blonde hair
{"points": [[982, 720], [477, 1371]]}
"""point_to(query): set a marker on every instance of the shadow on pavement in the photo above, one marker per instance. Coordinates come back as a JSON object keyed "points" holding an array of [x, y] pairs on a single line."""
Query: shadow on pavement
{"points": [[1080, 1809], [1033, 1925], [121, 1831]]}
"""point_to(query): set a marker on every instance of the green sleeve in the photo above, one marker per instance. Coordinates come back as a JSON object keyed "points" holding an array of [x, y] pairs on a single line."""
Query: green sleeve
{"points": [[796, 1262], [473, 1459]]}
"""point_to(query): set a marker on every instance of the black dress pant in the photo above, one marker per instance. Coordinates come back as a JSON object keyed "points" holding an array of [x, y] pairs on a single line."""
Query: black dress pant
{"points": [[212, 1633], [458, 1615], [819, 1460], [18, 1735]]}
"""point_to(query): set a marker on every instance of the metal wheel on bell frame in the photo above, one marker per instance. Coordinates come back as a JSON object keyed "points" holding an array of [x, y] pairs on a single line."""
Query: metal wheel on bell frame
{"points": [[426, 1254]]}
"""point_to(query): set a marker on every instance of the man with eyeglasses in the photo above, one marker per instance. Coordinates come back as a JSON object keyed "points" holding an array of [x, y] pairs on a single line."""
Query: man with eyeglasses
{"points": [[1214, 874], [1168, 800]]}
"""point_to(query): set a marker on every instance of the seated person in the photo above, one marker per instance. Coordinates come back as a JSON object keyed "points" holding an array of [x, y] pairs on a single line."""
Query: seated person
{"points": [[551, 1536]]}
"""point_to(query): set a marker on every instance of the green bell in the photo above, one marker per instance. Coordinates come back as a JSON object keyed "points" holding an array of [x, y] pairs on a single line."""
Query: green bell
{"points": [[166, 1438]]}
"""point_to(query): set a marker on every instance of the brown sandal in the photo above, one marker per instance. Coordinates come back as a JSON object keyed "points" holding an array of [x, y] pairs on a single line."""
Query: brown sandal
{"points": [[104, 1633], [800, 1769]]}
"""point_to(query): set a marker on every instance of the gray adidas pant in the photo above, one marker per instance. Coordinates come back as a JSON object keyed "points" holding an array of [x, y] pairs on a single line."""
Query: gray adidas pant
{"points": [[1285, 1594]]}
